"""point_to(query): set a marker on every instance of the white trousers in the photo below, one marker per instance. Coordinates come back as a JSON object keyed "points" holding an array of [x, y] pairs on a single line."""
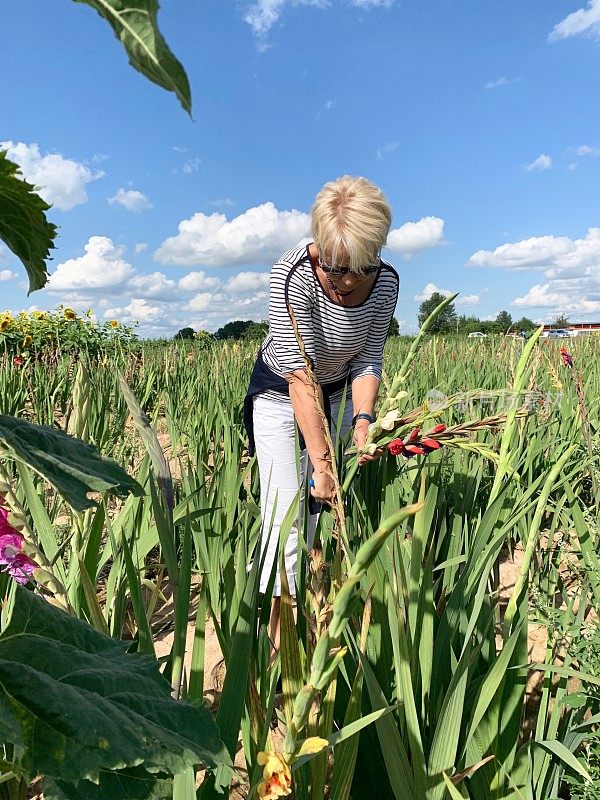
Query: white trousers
{"points": [[281, 477]]}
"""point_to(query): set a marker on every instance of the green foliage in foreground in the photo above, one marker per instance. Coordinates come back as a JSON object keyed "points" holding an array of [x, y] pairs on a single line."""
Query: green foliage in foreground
{"points": [[75, 706], [23, 224], [134, 23], [73, 467]]}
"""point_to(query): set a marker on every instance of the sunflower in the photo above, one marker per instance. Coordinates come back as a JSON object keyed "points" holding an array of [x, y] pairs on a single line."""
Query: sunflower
{"points": [[39, 315], [68, 313], [113, 323], [5, 323], [27, 341]]}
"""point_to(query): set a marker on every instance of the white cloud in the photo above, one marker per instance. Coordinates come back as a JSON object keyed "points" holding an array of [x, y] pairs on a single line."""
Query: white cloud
{"points": [[247, 282], [101, 268], [138, 310], [203, 301], [387, 149], [428, 290], [413, 237], [155, 286], [571, 268], [259, 235], [552, 253], [372, 3], [131, 199], [584, 20], [586, 150], [494, 84], [261, 15], [222, 202], [191, 165], [196, 281], [140, 247], [7, 275], [567, 296], [541, 163], [63, 181], [468, 300]]}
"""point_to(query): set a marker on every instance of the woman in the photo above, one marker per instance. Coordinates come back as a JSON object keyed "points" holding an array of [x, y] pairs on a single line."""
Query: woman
{"points": [[343, 298]]}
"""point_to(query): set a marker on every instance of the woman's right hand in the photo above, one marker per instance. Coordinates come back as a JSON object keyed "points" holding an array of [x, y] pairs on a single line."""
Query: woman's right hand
{"points": [[324, 487]]}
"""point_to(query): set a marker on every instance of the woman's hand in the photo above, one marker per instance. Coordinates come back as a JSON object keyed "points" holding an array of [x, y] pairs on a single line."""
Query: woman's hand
{"points": [[361, 430], [324, 487]]}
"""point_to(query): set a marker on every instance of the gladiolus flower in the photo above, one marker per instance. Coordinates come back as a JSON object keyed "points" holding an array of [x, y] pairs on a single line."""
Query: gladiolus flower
{"points": [[438, 428], [431, 443], [18, 361], [12, 560], [566, 357], [414, 434], [396, 447], [415, 450], [388, 423], [312, 745], [277, 777]]}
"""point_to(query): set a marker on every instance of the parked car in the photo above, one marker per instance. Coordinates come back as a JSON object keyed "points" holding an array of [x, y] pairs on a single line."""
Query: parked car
{"points": [[477, 335], [559, 333]]}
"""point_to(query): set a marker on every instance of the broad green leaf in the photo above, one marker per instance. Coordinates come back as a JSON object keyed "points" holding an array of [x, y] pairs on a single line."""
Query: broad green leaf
{"points": [[123, 784], [73, 467], [23, 224], [76, 703], [135, 25]]}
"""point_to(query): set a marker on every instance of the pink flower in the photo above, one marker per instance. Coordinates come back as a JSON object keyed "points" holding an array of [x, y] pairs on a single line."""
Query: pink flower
{"points": [[12, 559], [10, 545]]}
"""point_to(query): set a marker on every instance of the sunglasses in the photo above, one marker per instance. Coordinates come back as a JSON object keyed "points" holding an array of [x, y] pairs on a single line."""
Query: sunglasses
{"points": [[329, 270]]}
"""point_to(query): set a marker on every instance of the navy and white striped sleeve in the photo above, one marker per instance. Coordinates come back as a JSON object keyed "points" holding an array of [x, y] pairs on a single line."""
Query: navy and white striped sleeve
{"points": [[370, 359], [288, 285]]}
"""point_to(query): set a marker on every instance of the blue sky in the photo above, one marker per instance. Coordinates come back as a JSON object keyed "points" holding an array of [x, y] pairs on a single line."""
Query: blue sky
{"points": [[479, 121]]}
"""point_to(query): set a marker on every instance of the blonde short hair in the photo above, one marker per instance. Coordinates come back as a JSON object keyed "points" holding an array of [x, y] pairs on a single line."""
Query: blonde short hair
{"points": [[351, 217]]}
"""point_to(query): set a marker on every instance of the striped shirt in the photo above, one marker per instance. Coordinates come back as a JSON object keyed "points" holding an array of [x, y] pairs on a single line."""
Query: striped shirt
{"points": [[340, 340]]}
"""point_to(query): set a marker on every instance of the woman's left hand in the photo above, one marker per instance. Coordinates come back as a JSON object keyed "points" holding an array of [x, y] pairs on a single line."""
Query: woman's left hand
{"points": [[361, 430]]}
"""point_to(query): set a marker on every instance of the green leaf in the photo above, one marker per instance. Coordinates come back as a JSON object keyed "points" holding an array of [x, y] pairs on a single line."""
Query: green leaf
{"points": [[77, 703], [559, 750], [135, 25], [23, 224], [124, 784], [73, 467]]}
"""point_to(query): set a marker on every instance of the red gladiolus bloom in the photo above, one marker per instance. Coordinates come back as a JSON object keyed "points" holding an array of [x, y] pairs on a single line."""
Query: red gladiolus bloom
{"points": [[566, 357], [415, 450], [438, 428], [431, 443], [396, 447], [18, 361]]}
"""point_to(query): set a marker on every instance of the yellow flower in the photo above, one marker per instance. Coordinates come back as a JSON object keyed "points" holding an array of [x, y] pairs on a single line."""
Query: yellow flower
{"points": [[27, 341], [312, 745], [23, 315], [68, 313], [113, 323], [5, 323], [39, 315], [277, 777], [89, 313]]}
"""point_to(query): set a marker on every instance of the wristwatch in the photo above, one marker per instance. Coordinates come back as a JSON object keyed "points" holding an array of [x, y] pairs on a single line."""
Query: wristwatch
{"points": [[362, 415]]}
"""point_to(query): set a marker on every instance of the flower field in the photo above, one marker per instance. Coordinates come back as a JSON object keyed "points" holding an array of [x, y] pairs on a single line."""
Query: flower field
{"points": [[411, 668]]}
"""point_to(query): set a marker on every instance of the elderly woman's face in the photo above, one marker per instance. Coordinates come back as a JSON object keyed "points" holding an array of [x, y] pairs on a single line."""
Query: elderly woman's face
{"points": [[346, 281]]}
